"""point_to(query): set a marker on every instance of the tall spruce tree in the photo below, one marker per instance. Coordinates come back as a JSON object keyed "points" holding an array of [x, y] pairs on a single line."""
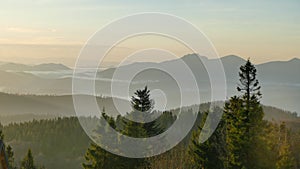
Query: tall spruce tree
{"points": [[250, 94], [249, 84], [142, 106], [244, 119]]}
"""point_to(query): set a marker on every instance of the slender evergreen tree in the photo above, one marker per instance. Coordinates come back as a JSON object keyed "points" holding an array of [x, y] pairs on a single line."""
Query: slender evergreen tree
{"points": [[28, 161], [249, 84], [142, 105], [244, 120]]}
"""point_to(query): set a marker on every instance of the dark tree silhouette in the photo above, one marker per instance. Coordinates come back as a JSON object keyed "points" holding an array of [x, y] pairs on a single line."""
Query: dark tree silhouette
{"points": [[249, 85], [141, 101], [250, 89]]}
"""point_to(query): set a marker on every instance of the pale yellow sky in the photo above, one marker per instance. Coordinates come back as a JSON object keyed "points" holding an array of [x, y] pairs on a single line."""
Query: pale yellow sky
{"points": [[35, 32], [68, 53]]}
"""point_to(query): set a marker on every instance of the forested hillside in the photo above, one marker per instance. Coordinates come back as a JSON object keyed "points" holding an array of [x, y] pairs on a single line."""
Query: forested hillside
{"points": [[56, 143], [62, 143]]}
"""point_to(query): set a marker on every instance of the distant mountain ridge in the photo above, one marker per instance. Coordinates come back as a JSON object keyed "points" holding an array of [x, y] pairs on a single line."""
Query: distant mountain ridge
{"points": [[280, 80], [39, 67], [285, 71], [226, 60]]}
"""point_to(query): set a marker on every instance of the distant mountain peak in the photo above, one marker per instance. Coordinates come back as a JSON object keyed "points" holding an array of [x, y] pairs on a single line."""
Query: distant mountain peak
{"points": [[233, 60], [193, 56], [233, 57], [52, 66], [227, 57], [294, 60]]}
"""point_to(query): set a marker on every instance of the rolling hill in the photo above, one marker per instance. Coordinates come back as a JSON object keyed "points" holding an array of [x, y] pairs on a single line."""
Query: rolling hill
{"points": [[20, 108]]}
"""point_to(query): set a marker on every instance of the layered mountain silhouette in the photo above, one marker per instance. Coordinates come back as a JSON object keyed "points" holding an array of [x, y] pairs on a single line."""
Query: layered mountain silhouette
{"points": [[40, 67], [284, 72], [280, 80]]}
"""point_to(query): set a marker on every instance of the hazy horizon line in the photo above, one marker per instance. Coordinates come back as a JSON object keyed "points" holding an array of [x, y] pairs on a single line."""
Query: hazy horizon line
{"points": [[113, 66]]}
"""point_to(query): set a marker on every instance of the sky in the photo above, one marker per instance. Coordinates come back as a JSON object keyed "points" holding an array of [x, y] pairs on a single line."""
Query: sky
{"points": [[37, 31]]}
